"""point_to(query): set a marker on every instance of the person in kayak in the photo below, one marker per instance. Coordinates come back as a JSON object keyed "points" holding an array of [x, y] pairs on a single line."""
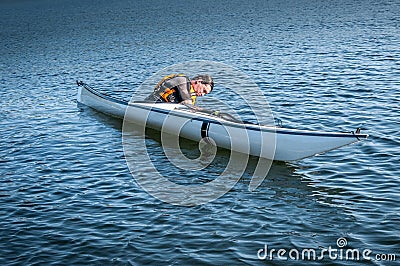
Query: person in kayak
{"points": [[178, 88]]}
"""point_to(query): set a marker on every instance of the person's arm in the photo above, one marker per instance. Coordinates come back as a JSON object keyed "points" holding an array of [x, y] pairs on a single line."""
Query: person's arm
{"points": [[183, 85]]}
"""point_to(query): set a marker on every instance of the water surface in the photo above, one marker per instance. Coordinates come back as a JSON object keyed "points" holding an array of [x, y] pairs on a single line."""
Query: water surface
{"points": [[67, 196]]}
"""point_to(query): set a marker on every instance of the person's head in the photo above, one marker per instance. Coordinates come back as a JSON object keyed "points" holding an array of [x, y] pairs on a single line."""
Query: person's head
{"points": [[202, 84]]}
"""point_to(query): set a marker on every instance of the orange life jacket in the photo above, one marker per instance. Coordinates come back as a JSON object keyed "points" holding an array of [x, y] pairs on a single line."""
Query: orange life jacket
{"points": [[170, 94]]}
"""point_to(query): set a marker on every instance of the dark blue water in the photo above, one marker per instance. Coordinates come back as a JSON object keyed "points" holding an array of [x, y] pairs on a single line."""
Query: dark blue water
{"points": [[67, 195]]}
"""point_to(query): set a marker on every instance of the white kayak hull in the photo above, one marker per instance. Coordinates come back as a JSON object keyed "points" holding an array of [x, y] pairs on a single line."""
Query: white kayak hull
{"points": [[275, 143]]}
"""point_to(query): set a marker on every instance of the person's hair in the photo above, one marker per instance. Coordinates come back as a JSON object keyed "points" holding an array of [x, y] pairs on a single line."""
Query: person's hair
{"points": [[206, 78]]}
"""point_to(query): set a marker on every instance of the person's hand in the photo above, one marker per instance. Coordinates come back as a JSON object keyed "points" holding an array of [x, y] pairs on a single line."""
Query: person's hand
{"points": [[197, 108], [186, 102]]}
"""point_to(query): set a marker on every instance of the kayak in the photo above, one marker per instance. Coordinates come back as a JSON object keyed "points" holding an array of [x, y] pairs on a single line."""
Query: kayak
{"points": [[270, 142]]}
